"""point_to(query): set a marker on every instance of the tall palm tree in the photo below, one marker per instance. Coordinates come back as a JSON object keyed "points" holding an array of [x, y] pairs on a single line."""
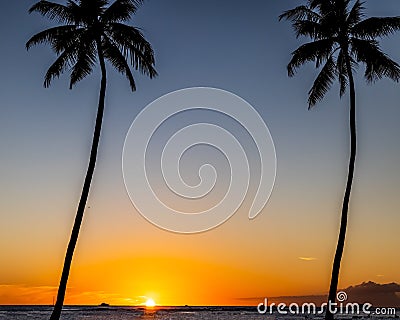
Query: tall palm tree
{"points": [[341, 39], [91, 31]]}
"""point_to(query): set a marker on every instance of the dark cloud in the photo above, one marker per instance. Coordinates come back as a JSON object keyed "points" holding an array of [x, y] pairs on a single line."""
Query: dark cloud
{"points": [[385, 295]]}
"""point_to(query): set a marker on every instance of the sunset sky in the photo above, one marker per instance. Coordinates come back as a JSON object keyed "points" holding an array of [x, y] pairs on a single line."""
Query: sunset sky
{"points": [[45, 137]]}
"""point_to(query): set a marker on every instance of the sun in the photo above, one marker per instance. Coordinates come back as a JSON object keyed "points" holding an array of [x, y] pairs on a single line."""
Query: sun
{"points": [[150, 303]]}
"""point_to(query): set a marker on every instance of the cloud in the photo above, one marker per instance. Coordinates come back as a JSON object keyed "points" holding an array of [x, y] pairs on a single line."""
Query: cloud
{"points": [[372, 287], [385, 295], [23, 294], [307, 258], [14, 294]]}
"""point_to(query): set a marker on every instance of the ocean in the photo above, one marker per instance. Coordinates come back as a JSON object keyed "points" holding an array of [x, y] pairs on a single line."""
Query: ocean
{"points": [[131, 313], [159, 313]]}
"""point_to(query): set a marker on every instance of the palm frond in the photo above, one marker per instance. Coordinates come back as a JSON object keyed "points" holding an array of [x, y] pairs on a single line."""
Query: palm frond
{"points": [[376, 27], [341, 6], [121, 10], [86, 59], [90, 10], [300, 13], [113, 54], [53, 11], [322, 83], [133, 43], [318, 51], [308, 28], [356, 13], [66, 60], [378, 64], [324, 7], [59, 37]]}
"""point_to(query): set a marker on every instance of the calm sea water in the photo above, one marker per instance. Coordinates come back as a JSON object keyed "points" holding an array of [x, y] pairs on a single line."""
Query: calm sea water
{"points": [[132, 313]]}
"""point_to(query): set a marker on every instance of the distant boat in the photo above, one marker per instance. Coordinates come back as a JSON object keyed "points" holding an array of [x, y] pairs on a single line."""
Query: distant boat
{"points": [[104, 305]]}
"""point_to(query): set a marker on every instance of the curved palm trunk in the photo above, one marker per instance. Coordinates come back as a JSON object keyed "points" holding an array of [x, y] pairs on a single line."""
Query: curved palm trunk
{"points": [[85, 193], [345, 208]]}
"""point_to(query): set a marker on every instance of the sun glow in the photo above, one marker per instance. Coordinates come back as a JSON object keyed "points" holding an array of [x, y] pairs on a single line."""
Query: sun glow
{"points": [[150, 303]]}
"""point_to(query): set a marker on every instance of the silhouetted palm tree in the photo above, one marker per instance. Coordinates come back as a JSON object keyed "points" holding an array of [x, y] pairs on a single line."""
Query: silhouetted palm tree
{"points": [[92, 31], [341, 39]]}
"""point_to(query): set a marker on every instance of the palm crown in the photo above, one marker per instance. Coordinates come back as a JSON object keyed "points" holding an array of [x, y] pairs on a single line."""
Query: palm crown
{"points": [[92, 28], [340, 39]]}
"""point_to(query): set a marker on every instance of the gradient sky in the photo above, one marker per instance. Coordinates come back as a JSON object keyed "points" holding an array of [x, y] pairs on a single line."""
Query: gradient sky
{"points": [[45, 136]]}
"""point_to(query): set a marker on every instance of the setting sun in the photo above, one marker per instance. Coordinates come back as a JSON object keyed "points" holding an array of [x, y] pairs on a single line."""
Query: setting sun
{"points": [[150, 303]]}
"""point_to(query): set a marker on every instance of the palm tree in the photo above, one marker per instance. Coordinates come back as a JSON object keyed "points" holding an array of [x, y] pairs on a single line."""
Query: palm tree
{"points": [[341, 39], [91, 31]]}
